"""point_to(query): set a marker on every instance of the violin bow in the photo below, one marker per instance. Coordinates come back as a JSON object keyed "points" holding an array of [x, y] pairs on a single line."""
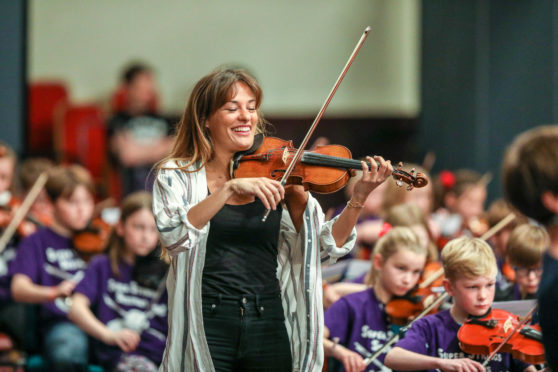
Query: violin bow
{"points": [[302, 146], [513, 332], [22, 210], [395, 337]]}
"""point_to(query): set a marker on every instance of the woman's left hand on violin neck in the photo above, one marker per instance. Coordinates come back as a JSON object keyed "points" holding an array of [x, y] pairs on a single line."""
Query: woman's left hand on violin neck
{"points": [[371, 177]]}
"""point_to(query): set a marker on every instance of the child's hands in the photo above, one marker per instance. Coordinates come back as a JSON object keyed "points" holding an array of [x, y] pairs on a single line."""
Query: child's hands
{"points": [[460, 365], [352, 361], [64, 289], [127, 340]]}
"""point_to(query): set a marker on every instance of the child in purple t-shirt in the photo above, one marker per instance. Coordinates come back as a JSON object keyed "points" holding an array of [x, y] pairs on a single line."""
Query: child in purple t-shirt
{"points": [[431, 343], [47, 267], [356, 326], [129, 319]]}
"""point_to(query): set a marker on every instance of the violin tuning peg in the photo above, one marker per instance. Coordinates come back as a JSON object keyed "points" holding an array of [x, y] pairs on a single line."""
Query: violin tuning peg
{"points": [[399, 183]]}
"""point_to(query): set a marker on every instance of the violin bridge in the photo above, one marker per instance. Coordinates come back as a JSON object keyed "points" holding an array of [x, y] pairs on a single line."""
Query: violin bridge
{"points": [[508, 324], [285, 156]]}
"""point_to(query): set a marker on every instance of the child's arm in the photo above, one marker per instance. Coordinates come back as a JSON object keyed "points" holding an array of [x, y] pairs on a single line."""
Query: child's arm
{"points": [[352, 361], [81, 315], [333, 292], [404, 360], [24, 290]]}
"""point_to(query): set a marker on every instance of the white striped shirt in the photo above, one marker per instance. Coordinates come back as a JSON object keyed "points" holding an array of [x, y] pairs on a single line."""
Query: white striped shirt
{"points": [[299, 272]]}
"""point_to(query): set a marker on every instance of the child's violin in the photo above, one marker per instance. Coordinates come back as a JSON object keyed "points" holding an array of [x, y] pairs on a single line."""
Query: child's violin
{"points": [[93, 238], [325, 170], [501, 329], [402, 309]]}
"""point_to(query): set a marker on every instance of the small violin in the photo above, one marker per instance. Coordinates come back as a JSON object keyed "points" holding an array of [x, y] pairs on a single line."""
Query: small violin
{"points": [[324, 170], [483, 335], [93, 238], [402, 309]]}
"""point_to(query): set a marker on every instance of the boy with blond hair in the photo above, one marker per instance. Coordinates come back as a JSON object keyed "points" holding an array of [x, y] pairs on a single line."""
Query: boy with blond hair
{"points": [[431, 343]]}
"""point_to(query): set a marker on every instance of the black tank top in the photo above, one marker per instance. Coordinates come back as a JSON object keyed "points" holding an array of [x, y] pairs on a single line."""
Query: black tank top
{"points": [[241, 253]]}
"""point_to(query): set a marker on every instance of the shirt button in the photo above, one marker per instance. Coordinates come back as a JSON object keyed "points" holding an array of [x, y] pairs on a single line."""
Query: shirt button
{"points": [[244, 300], [213, 306]]}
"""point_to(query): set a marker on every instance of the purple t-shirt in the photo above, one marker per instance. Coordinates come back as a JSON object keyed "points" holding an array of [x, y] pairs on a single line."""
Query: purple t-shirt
{"points": [[48, 259], [436, 335], [360, 322], [120, 302]]}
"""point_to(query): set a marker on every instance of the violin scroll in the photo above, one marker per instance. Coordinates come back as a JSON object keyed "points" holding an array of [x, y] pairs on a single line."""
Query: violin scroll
{"points": [[410, 178]]}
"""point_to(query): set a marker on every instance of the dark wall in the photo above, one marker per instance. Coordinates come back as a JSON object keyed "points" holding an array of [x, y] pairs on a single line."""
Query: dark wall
{"points": [[489, 72], [12, 72]]}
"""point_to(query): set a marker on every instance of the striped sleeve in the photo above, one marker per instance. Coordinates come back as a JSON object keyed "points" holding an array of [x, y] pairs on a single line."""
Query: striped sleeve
{"points": [[173, 196], [328, 248]]}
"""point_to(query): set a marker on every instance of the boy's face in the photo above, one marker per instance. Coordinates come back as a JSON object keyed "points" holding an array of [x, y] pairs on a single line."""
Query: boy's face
{"points": [[473, 296], [75, 211], [528, 279], [6, 173]]}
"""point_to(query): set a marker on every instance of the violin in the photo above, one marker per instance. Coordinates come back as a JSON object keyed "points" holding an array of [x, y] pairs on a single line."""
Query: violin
{"points": [[501, 329], [326, 169], [93, 239], [402, 309]]}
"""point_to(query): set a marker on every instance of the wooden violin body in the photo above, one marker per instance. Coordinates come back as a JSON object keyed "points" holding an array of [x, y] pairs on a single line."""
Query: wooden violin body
{"points": [[326, 169], [482, 335], [93, 239]]}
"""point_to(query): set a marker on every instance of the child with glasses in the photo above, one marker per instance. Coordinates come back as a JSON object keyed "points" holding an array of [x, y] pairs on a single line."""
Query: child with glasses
{"points": [[525, 249]]}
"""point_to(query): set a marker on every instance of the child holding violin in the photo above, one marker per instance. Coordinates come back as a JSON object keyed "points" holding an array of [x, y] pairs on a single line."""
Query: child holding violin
{"points": [[530, 180], [409, 215], [47, 267], [356, 326], [497, 212], [12, 313], [525, 250], [460, 198], [431, 342], [128, 319]]}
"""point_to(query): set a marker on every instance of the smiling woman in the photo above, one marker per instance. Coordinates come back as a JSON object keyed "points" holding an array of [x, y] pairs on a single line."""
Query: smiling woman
{"points": [[235, 281]]}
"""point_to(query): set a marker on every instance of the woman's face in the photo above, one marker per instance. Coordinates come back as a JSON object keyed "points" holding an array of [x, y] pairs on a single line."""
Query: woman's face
{"points": [[233, 126]]}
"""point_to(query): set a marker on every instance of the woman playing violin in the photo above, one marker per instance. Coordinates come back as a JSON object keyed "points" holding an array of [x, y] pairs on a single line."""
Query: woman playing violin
{"points": [[242, 292]]}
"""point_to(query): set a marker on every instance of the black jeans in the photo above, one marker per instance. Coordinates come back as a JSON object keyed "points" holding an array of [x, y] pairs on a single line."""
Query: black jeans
{"points": [[247, 333]]}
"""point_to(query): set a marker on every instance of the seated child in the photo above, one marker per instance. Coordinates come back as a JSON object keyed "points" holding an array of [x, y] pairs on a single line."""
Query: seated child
{"points": [[525, 250], [47, 268], [129, 319], [408, 215], [461, 197], [431, 342], [358, 321], [498, 210]]}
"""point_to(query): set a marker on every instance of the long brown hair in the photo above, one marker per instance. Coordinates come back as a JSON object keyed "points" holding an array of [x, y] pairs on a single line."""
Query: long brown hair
{"points": [[192, 142], [130, 205]]}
